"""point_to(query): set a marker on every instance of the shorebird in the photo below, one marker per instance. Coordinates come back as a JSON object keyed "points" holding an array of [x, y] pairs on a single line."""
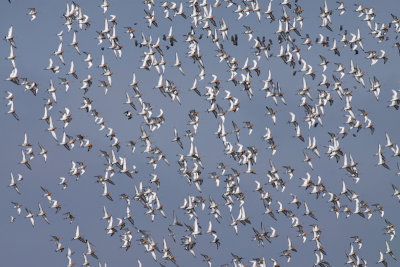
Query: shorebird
{"points": [[32, 12], [30, 215], [78, 236], [14, 183]]}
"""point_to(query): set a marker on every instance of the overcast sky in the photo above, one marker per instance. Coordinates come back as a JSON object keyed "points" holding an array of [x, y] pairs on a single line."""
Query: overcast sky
{"points": [[36, 41]]}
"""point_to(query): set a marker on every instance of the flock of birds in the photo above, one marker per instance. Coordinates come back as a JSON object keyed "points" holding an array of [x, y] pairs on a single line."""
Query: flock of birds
{"points": [[215, 195]]}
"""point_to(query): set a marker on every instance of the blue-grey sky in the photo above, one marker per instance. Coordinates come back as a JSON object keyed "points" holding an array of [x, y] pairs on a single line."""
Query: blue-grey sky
{"points": [[36, 41]]}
